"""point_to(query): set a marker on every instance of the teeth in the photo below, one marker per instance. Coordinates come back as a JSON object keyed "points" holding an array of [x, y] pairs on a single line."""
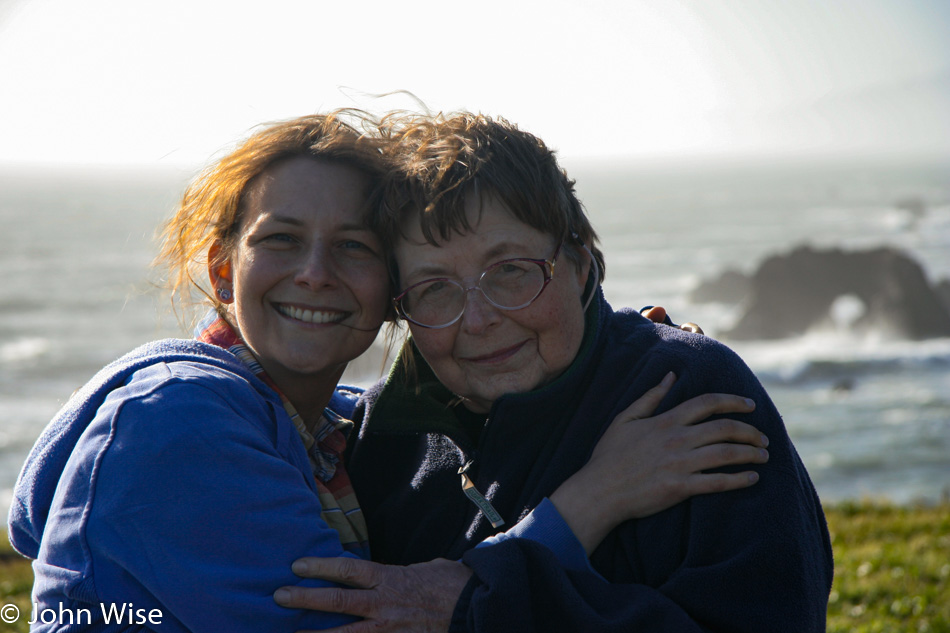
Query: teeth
{"points": [[311, 316]]}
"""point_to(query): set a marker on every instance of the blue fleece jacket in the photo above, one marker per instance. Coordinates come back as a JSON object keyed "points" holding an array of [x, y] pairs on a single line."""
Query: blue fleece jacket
{"points": [[174, 485], [757, 559]]}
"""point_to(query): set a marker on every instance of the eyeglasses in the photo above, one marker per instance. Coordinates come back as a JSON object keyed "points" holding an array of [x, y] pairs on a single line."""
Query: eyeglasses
{"points": [[510, 284]]}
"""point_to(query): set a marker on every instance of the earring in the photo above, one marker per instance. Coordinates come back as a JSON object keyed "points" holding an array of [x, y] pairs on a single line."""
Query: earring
{"points": [[224, 294]]}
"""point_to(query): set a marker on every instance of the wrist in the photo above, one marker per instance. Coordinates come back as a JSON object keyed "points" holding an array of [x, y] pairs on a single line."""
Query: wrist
{"points": [[581, 510]]}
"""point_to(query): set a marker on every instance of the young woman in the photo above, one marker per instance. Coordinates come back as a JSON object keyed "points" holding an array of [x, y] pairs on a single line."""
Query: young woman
{"points": [[175, 489], [182, 480]]}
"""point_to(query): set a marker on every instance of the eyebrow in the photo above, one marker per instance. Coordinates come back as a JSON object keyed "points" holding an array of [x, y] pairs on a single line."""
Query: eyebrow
{"points": [[282, 219], [491, 256], [427, 272], [293, 221], [497, 250]]}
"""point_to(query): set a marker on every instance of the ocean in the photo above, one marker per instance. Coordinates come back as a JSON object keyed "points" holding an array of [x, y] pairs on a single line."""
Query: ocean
{"points": [[77, 292]]}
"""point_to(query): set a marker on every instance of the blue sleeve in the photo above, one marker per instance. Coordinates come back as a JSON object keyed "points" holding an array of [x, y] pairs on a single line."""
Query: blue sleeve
{"points": [[200, 509], [545, 525]]}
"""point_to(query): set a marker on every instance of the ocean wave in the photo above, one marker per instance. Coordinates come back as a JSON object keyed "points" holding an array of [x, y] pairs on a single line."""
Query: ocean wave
{"points": [[826, 357], [23, 349]]}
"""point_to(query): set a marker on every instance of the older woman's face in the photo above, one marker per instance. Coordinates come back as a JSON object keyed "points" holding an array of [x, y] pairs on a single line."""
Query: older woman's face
{"points": [[490, 352]]}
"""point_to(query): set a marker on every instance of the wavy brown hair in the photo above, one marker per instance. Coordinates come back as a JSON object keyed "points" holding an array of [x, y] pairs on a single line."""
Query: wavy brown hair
{"points": [[439, 160], [212, 208]]}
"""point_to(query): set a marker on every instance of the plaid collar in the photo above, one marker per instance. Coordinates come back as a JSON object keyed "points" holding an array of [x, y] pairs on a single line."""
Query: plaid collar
{"points": [[326, 442]]}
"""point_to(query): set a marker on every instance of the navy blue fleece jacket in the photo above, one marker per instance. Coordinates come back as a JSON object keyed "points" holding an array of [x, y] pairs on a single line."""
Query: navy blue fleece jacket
{"points": [[757, 559]]}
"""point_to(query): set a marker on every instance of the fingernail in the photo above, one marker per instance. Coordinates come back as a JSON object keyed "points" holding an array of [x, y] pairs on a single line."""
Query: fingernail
{"points": [[764, 454], [282, 596], [300, 567], [750, 403], [668, 379], [753, 477], [765, 441]]}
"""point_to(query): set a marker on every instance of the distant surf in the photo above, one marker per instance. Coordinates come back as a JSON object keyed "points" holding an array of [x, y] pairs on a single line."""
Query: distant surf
{"points": [[869, 414]]}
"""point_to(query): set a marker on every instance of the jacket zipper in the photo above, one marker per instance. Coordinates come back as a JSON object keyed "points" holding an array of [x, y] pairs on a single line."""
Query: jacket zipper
{"points": [[476, 497]]}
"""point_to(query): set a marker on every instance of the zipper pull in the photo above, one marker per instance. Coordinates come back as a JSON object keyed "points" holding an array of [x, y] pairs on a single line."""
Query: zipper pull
{"points": [[476, 497]]}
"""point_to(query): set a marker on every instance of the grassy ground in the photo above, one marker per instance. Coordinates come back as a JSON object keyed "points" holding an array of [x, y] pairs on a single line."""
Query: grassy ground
{"points": [[892, 570], [16, 580]]}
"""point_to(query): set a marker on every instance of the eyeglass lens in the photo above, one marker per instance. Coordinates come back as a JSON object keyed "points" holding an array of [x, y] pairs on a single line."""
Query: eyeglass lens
{"points": [[508, 285]]}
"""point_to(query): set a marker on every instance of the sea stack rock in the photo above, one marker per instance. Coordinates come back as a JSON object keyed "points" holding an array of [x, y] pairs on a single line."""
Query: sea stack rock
{"points": [[791, 294]]}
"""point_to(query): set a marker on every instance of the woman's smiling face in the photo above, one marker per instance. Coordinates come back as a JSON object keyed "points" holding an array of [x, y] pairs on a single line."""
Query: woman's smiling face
{"points": [[490, 352], [309, 281]]}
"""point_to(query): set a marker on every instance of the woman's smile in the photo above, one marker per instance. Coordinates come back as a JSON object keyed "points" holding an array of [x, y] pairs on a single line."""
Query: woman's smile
{"points": [[312, 316], [497, 356]]}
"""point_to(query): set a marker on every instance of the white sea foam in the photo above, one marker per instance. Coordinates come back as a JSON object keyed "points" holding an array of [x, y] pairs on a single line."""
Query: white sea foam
{"points": [[789, 359], [23, 349]]}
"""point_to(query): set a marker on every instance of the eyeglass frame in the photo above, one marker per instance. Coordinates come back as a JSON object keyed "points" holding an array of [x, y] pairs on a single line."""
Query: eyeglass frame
{"points": [[546, 266]]}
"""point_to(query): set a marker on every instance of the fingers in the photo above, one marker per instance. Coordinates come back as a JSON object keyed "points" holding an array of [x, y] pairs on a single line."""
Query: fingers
{"points": [[362, 626], [689, 326], [645, 405], [419, 597], [329, 599], [720, 443], [657, 314], [346, 571], [726, 430], [708, 483], [726, 454], [709, 404]]}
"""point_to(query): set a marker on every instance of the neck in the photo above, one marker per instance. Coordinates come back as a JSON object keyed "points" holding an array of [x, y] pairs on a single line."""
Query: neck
{"points": [[309, 394]]}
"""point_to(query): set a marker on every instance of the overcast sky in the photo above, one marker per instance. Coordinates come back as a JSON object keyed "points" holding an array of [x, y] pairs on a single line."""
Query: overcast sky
{"points": [[173, 82]]}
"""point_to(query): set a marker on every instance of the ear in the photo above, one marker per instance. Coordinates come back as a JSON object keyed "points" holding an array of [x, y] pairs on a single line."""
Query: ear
{"points": [[584, 266], [219, 271]]}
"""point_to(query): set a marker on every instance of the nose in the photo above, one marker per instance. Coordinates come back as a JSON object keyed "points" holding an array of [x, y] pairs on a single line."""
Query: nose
{"points": [[478, 314], [316, 268]]}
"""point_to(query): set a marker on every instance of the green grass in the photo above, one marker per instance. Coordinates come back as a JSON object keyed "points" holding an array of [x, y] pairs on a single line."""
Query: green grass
{"points": [[892, 570], [16, 580]]}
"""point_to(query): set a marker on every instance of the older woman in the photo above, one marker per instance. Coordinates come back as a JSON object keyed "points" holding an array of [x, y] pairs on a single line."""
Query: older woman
{"points": [[515, 364]]}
